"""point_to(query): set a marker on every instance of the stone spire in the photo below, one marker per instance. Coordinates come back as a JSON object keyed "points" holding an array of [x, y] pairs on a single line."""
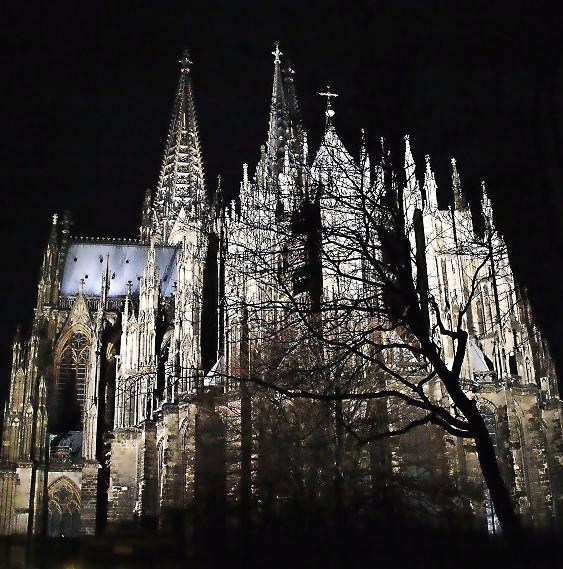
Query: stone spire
{"points": [[278, 118], [284, 153], [181, 180], [460, 201]]}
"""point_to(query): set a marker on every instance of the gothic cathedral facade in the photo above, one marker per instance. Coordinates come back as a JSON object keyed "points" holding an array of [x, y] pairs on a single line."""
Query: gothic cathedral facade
{"points": [[124, 405]]}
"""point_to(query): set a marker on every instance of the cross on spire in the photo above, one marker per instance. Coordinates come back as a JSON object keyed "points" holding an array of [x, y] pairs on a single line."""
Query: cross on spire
{"points": [[276, 53], [329, 95]]}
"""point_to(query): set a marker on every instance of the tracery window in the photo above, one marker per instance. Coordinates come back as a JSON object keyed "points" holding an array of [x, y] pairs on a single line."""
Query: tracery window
{"points": [[64, 509], [73, 371]]}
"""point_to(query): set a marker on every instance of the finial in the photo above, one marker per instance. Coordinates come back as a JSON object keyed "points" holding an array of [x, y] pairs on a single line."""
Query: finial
{"points": [[329, 95], [185, 61], [82, 286], [55, 218], [276, 53], [129, 286], [427, 161]]}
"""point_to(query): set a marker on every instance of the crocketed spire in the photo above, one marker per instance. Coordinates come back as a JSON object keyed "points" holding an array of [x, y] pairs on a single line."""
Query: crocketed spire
{"points": [[181, 180]]}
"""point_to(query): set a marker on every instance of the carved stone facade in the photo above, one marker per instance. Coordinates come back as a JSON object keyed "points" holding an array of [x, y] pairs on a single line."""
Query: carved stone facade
{"points": [[124, 405]]}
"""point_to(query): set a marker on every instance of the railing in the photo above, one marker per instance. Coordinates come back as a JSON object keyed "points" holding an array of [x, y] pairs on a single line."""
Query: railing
{"points": [[115, 304], [66, 302]]}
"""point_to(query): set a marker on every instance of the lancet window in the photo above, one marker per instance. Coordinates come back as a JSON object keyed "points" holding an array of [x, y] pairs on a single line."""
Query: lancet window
{"points": [[73, 371]]}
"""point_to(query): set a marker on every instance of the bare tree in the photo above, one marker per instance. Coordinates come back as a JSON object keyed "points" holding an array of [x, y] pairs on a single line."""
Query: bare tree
{"points": [[333, 282]]}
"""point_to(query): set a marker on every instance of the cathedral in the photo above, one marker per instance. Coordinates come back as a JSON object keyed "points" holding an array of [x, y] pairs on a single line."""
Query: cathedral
{"points": [[142, 396]]}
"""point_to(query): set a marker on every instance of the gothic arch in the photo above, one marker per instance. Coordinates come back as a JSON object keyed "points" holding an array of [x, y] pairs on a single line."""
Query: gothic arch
{"points": [[63, 508], [72, 361]]}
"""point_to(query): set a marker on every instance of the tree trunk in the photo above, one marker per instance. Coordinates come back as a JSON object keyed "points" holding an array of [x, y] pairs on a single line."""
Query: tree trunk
{"points": [[500, 496]]}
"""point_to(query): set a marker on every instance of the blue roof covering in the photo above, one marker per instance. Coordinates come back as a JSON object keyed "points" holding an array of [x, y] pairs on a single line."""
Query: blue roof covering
{"points": [[126, 263]]}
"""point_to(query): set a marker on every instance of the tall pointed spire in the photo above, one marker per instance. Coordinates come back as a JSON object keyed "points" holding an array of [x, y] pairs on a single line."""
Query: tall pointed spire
{"points": [[278, 117], [181, 181], [460, 202]]}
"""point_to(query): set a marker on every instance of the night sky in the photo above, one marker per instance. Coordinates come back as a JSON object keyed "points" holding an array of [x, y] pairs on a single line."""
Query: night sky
{"points": [[88, 89]]}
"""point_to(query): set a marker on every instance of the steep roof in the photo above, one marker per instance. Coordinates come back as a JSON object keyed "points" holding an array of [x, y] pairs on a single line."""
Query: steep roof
{"points": [[126, 262]]}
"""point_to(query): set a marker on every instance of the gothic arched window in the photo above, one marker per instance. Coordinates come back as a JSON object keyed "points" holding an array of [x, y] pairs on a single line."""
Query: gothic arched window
{"points": [[64, 509], [71, 385]]}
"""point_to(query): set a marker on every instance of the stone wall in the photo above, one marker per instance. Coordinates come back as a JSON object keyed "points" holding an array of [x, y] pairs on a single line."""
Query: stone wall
{"points": [[123, 486], [89, 497]]}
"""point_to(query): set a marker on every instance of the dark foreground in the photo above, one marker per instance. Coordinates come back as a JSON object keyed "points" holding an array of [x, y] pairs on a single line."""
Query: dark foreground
{"points": [[321, 548]]}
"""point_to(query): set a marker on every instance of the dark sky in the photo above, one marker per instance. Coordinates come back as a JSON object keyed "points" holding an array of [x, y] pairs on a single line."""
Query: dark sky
{"points": [[88, 89]]}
